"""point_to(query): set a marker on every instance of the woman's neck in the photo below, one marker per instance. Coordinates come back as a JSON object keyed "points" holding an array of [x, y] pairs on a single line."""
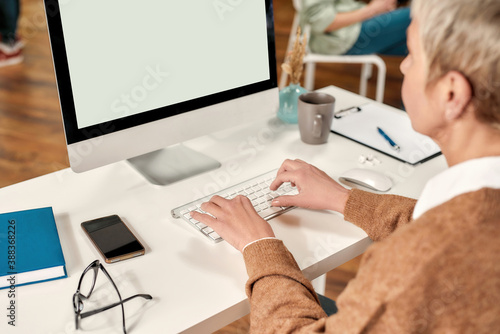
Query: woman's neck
{"points": [[468, 139]]}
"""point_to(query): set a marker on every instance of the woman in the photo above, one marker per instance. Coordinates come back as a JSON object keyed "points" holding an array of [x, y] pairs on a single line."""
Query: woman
{"points": [[435, 263], [354, 28]]}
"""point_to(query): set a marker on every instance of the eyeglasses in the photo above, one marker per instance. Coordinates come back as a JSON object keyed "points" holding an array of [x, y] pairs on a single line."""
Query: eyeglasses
{"points": [[85, 290]]}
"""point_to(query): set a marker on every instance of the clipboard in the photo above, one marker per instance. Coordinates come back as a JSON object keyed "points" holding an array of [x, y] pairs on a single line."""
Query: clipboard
{"points": [[360, 125]]}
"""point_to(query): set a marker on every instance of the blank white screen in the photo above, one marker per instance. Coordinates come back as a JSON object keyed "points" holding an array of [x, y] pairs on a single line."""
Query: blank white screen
{"points": [[129, 56]]}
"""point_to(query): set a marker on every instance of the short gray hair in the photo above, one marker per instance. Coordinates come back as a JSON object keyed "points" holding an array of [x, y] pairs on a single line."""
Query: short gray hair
{"points": [[464, 36]]}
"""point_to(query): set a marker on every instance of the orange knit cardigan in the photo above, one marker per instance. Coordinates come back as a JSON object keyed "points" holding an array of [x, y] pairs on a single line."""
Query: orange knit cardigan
{"points": [[437, 274]]}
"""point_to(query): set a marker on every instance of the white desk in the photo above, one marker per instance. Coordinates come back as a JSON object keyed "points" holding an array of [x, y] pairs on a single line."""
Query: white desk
{"points": [[197, 286]]}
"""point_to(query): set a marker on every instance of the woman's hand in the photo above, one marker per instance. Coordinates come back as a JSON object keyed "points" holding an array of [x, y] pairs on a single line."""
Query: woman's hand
{"points": [[378, 7], [316, 189], [374, 8], [235, 220]]}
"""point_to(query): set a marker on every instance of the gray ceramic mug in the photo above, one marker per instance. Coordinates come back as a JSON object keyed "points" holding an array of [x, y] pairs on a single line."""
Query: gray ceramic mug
{"points": [[315, 114]]}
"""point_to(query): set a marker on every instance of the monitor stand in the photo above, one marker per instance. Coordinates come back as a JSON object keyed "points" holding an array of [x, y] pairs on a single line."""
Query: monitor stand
{"points": [[172, 164]]}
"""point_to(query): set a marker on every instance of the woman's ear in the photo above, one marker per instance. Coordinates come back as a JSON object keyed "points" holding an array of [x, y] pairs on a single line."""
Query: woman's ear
{"points": [[458, 92]]}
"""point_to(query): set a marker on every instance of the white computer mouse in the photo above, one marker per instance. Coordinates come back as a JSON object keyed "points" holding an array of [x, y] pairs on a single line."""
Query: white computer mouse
{"points": [[368, 178]]}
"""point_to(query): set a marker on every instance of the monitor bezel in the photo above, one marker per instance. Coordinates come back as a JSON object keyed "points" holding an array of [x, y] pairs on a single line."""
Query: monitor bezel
{"points": [[74, 134]]}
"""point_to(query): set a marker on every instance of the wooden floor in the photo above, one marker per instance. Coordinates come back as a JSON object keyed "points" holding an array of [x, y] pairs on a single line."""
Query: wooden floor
{"points": [[31, 135]]}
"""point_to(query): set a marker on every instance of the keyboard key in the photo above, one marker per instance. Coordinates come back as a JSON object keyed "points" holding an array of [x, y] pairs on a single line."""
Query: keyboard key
{"points": [[207, 230], [263, 206], [200, 226], [215, 237], [281, 191], [269, 211]]}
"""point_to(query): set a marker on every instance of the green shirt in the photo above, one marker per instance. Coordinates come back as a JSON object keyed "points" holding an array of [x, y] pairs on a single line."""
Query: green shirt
{"points": [[319, 14]]}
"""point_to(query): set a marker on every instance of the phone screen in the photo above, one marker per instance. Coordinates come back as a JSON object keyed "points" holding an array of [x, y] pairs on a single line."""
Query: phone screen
{"points": [[113, 238]]}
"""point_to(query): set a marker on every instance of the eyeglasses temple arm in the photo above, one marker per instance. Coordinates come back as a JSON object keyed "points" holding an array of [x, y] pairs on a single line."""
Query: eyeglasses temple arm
{"points": [[89, 313]]}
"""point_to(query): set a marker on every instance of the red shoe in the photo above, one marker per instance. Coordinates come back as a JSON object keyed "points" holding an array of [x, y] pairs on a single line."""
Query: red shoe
{"points": [[7, 59]]}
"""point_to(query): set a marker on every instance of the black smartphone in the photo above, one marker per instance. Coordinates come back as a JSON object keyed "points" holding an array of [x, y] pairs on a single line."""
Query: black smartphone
{"points": [[113, 239]]}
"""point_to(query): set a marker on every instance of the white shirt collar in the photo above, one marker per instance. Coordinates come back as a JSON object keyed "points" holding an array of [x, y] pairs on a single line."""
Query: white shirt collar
{"points": [[465, 177]]}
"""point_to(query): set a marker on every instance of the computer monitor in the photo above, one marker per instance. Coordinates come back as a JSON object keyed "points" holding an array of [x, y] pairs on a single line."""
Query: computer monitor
{"points": [[136, 76]]}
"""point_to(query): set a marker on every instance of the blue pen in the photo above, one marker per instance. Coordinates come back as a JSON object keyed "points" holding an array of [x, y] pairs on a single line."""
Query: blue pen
{"points": [[389, 140]]}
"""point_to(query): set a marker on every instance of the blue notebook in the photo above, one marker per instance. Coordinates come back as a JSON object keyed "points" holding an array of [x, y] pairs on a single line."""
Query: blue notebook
{"points": [[30, 250]]}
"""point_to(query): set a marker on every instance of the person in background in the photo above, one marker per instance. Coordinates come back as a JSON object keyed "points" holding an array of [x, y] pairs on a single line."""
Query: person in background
{"points": [[434, 266], [355, 28], [10, 44]]}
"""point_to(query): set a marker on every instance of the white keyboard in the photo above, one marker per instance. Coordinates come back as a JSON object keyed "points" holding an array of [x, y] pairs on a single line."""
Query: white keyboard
{"points": [[256, 189]]}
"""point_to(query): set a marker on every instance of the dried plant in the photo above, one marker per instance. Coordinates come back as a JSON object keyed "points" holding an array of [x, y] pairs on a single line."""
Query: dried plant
{"points": [[294, 61]]}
